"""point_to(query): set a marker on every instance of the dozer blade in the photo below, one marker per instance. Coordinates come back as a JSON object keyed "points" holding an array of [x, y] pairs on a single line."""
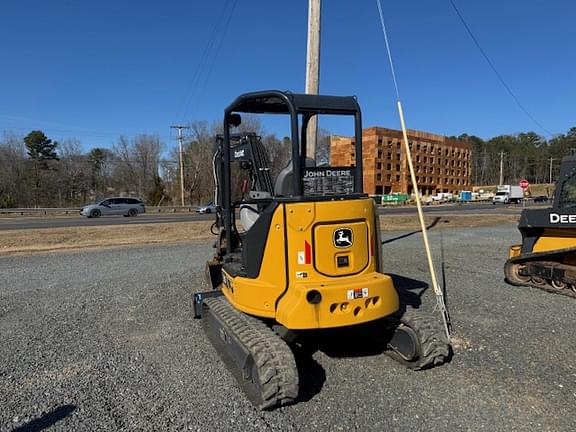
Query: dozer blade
{"points": [[260, 360]]}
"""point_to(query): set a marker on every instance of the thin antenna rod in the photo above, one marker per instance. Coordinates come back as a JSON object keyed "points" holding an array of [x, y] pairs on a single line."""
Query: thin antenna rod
{"points": [[441, 305]]}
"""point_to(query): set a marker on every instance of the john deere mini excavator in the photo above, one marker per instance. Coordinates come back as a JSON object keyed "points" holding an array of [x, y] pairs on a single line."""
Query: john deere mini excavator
{"points": [[546, 259], [298, 253]]}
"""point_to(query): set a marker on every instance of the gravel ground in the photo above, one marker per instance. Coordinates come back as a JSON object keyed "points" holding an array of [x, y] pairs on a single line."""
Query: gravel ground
{"points": [[105, 340]]}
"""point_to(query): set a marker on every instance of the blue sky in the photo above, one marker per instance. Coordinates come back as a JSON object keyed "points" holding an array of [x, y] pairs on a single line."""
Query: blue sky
{"points": [[97, 69]]}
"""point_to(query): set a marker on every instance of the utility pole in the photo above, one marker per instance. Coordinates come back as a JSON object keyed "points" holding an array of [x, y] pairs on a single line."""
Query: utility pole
{"points": [[312, 71], [551, 159], [501, 168], [180, 138]]}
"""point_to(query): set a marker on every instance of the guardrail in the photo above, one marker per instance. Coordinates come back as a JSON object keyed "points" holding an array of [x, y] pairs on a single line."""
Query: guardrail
{"points": [[76, 210]]}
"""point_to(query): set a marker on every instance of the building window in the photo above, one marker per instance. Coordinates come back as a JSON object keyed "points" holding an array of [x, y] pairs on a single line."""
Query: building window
{"points": [[388, 167], [379, 165], [379, 141], [397, 156], [379, 154], [397, 178], [388, 177], [397, 167], [378, 177]]}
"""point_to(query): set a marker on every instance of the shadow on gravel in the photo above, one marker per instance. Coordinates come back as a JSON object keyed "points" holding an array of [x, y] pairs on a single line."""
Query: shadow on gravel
{"points": [[361, 340], [47, 420], [311, 374], [403, 236], [409, 290]]}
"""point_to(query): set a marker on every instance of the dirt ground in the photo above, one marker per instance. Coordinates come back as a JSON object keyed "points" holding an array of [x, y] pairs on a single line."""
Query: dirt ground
{"points": [[59, 239]]}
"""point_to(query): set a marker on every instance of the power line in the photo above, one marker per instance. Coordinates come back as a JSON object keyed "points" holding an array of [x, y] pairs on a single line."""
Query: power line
{"points": [[506, 86], [194, 82], [218, 47]]}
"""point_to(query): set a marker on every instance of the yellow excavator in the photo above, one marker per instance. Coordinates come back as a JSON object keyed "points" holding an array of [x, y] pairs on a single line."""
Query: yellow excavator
{"points": [[546, 259], [298, 254]]}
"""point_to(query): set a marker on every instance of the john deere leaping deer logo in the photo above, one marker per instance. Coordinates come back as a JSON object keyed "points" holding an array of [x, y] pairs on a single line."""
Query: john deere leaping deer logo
{"points": [[343, 237]]}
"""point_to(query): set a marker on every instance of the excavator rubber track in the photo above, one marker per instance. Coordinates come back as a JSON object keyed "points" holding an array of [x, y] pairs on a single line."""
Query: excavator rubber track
{"points": [[545, 271], [419, 341], [261, 361]]}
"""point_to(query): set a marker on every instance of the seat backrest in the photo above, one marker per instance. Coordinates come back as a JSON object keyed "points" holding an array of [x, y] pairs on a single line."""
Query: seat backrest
{"points": [[283, 185], [248, 215]]}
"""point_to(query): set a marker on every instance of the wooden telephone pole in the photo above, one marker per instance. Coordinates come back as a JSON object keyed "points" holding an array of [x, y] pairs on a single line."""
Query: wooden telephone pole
{"points": [[181, 161], [313, 71]]}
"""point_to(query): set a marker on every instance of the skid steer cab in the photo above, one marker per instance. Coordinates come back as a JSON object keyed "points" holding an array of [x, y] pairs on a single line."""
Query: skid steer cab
{"points": [[546, 259], [298, 249]]}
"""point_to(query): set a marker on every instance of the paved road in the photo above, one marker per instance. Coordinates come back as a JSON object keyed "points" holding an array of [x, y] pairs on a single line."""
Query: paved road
{"points": [[18, 223], [15, 223], [104, 340]]}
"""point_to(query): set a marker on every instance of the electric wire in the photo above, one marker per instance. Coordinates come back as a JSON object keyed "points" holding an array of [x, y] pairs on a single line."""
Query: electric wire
{"points": [[388, 50], [493, 67], [190, 88], [207, 57], [217, 51]]}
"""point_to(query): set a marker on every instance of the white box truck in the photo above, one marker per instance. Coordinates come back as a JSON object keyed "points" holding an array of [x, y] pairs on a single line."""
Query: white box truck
{"points": [[506, 194]]}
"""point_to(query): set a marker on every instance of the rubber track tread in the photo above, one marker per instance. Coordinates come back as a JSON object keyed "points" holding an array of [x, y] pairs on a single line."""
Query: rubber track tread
{"points": [[434, 349], [274, 360], [509, 278]]}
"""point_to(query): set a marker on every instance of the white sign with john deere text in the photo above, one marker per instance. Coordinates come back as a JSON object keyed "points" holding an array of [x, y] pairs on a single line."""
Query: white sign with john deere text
{"points": [[562, 218]]}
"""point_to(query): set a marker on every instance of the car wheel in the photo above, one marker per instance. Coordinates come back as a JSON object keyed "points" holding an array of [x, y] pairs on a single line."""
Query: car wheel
{"points": [[208, 211], [95, 213], [132, 212]]}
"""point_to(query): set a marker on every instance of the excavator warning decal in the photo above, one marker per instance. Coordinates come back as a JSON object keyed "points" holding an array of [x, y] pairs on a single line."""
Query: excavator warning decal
{"points": [[357, 293], [305, 256]]}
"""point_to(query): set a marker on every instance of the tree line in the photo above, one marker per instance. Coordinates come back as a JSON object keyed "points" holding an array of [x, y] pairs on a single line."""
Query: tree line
{"points": [[39, 172], [524, 156]]}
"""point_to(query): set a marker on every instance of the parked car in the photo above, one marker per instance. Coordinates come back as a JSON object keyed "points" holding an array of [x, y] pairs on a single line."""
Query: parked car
{"points": [[208, 208], [114, 206]]}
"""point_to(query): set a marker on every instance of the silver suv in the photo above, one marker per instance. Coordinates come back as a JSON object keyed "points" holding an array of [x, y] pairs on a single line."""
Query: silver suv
{"points": [[114, 206]]}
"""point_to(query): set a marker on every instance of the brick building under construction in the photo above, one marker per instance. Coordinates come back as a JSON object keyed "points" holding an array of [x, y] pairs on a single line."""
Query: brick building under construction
{"points": [[441, 164]]}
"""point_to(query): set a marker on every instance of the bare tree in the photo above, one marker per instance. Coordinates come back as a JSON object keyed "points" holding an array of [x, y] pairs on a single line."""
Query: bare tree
{"points": [[74, 174], [137, 163], [13, 190]]}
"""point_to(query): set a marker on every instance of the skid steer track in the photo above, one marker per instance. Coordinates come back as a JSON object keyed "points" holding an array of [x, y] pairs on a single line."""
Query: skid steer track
{"points": [[261, 361]]}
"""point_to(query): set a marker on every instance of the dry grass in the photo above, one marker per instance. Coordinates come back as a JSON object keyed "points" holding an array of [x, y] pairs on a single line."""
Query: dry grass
{"points": [[42, 240], [59, 239]]}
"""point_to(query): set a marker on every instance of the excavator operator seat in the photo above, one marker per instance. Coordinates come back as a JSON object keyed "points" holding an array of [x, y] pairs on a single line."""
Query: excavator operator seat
{"points": [[283, 184], [248, 215]]}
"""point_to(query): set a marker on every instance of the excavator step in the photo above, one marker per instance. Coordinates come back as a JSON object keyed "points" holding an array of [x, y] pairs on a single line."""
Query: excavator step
{"points": [[260, 360]]}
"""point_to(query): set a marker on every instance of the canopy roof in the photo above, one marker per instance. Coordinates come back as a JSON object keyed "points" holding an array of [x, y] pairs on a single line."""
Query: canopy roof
{"points": [[279, 102]]}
